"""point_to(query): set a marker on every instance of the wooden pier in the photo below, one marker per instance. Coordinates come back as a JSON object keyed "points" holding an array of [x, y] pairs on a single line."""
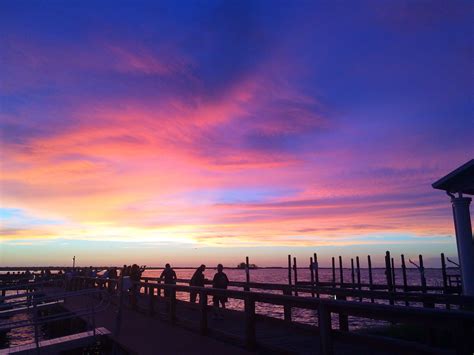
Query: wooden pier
{"points": [[253, 331]]}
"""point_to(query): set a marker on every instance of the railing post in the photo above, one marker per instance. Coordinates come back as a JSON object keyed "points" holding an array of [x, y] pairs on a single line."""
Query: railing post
{"points": [[343, 319], [151, 305], [404, 276], [118, 318], [250, 338], [462, 338], [445, 279], [35, 319], [289, 271], [295, 269], [311, 270], [203, 307], [358, 276], [247, 273], [341, 272], [388, 275], [333, 266], [371, 280], [172, 308], [316, 273], [286, 306], [324, 322], [352, 273]]}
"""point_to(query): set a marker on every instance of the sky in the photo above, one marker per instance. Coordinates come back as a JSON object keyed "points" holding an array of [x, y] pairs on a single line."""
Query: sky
{"points": [[205, 131]]}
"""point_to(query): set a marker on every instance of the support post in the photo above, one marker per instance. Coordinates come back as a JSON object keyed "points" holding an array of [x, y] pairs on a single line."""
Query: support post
{"points": [[286, 306], [316, 272], [341, 272], [333, 272], [462, 224], [394, 283], [371, 280], [151, 305], [404, 275], [388, 274], [352, 273], [289, 273], [295, 269], [324, 321], [172, 307], [250, 336], [359, 287], [311, 271], [445, 278], [203, 307], [247, 273]]}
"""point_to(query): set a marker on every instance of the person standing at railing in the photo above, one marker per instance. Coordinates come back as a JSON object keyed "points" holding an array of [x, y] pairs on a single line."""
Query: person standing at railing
{"points": [[135, 275], [199, 280], [220, 281], [169, 276], [112, 275]]}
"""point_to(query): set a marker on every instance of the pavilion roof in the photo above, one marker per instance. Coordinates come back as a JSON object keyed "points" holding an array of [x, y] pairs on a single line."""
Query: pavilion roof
{"points": [[459, 180]]}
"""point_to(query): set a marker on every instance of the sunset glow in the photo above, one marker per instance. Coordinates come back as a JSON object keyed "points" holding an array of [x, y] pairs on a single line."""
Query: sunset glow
{"points": [[156, 131]]}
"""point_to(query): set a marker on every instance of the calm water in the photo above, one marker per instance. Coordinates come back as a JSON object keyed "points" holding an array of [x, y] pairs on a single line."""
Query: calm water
{"points": [[18, 336]]}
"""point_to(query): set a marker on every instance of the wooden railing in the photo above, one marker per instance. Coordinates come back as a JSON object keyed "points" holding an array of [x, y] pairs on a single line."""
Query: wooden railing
{"points": [[428, 300], [458, 323]]}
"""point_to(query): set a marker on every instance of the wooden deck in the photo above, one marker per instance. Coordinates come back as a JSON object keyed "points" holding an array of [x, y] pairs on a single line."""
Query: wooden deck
{"points": [[145, 332]]}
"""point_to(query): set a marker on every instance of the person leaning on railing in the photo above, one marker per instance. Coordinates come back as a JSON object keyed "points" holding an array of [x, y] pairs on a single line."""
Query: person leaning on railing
{"points": [[169, 276], [199, 280]]}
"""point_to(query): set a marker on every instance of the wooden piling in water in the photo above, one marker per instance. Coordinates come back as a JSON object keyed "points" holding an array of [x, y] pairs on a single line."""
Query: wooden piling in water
{"points": [[343, 320], [371, 280], [423, 281], [247, 273], [295, 269], [388, 274], [316, 272], [352, 273], [359, 287], [394, 283], [311, 271], [422, 273], [289, 274], [445, 278], [341, 272], [404, 276], [333, 272]]}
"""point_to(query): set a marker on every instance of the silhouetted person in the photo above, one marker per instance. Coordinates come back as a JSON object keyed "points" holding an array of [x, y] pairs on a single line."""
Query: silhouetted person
{"points": [[198, 279], [123, 272], [135, 275], [221, 281], [169, 276]]}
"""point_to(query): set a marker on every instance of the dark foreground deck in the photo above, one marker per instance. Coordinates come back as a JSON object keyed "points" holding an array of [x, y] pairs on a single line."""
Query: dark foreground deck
{"points": [[143, 333]]}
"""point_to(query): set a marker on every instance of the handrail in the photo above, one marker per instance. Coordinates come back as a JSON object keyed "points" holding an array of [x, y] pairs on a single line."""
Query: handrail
{"points": [[347, 285], [33, 298], [32, 301], [432, 298]]}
